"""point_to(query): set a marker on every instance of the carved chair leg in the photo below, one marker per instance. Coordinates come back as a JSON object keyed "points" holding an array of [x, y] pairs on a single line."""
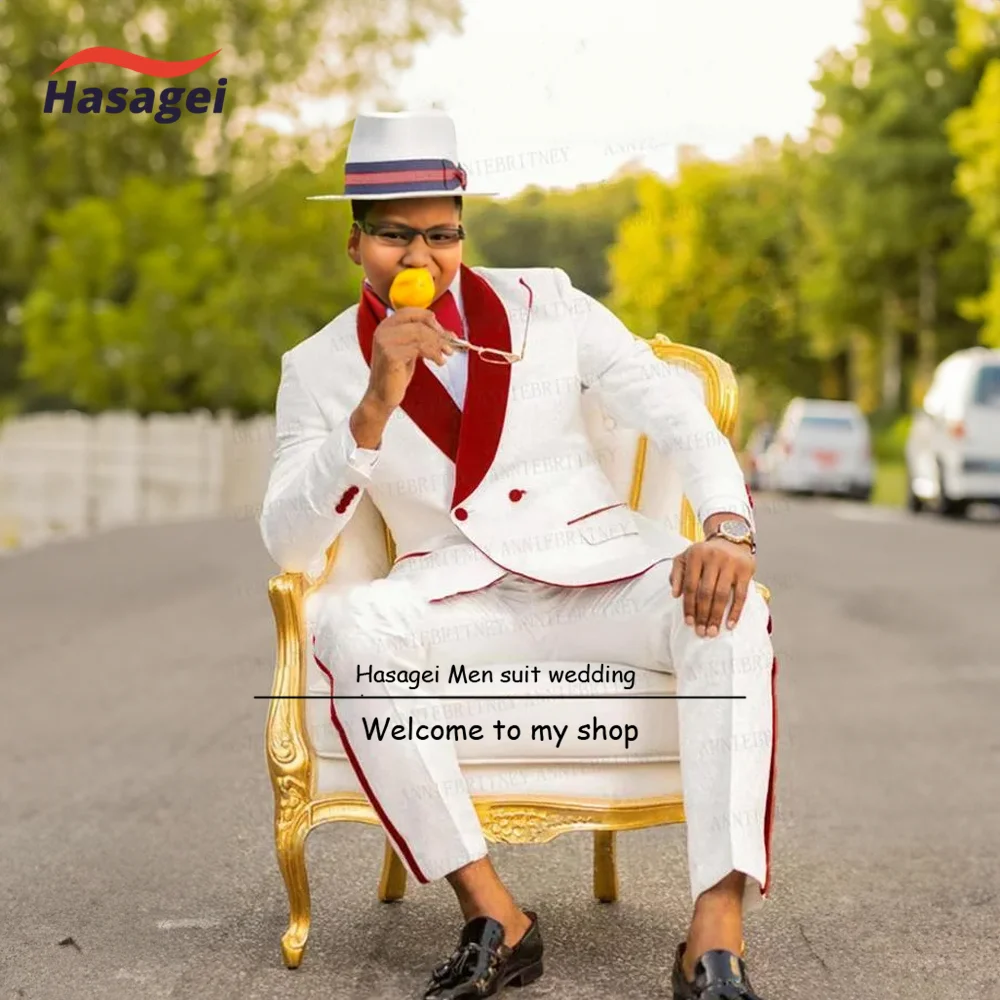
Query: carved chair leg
{"points": [[290, 842], [392, 883], [605, 867]]}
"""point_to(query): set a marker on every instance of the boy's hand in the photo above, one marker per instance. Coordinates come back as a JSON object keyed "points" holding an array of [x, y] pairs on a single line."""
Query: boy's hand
{"points": [[708, 574], [399, 341]]}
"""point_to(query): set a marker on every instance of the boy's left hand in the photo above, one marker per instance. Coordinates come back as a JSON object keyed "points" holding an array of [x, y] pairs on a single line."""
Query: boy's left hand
{"points": [[708, 574]]}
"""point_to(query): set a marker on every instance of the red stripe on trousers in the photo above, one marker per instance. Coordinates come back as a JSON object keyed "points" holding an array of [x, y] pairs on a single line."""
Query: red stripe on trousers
{"points": [[769, 803], [400, 843]]}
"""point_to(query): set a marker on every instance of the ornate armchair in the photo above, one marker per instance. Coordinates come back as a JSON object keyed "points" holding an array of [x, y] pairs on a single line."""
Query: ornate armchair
{"points": [[519, 800]]}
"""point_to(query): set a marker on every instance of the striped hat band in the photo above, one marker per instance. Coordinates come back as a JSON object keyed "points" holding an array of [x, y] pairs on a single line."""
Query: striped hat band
{"points": [[403, 177]]}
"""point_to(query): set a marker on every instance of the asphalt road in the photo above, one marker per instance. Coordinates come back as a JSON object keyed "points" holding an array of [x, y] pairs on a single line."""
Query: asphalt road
{"points": [[136, 858]]}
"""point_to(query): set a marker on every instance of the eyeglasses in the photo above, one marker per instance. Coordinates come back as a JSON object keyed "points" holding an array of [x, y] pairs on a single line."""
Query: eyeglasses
{"points": [[492, 354], [393, 234]]}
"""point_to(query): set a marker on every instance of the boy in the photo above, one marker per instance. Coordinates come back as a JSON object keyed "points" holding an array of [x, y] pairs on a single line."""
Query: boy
{"points": [[515, 519]]}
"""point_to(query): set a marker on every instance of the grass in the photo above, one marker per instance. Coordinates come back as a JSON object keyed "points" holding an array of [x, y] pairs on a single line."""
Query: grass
{"points": [[890, 484], [888, 443]]}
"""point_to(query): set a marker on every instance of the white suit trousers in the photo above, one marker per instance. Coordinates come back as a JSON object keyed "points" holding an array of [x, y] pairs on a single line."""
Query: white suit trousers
{"points": [[725, 742]]}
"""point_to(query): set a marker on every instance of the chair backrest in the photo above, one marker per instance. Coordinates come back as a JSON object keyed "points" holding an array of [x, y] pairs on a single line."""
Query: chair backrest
{"points": [[643, 477]]}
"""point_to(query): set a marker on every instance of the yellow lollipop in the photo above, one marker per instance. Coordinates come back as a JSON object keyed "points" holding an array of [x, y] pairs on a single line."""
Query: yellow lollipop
{"points": [[412, 287]]}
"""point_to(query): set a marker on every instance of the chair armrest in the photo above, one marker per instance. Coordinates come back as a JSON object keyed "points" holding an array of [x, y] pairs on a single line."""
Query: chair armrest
{"points": [[288, 753], [721, 395], [287, 595]]}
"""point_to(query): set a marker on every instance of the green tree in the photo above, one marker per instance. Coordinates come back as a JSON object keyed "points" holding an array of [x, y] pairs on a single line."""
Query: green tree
{"points": [[569, 229], [164, 299], [975, 138], [892, 254], [711, 258]]}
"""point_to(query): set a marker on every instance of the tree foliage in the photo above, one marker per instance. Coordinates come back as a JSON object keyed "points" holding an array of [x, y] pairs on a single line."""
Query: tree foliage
{"points": [[220, 194], [711, 259], [974, 132], [165, 299], [569, 229], [894, 256]]}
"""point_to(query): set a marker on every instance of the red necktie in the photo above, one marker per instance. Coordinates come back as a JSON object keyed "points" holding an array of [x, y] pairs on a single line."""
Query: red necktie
{"points": [[446, 311]]}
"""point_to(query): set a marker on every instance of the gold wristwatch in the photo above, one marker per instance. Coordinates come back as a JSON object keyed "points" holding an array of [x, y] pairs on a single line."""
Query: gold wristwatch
{"points": [[736, 531]]}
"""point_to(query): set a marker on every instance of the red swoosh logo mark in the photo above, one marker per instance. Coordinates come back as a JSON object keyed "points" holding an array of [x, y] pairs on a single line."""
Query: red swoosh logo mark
{"points": [[129, 60]]}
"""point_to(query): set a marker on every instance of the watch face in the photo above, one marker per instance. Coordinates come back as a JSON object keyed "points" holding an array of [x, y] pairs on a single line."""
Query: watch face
{"points": [[737, 528]]}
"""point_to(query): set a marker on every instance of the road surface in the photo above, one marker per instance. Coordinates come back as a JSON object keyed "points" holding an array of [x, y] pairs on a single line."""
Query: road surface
{"points": [[137, 859]]}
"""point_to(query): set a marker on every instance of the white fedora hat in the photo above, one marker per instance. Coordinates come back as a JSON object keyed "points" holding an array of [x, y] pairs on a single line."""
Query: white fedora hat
{"points": [[402, 154]]}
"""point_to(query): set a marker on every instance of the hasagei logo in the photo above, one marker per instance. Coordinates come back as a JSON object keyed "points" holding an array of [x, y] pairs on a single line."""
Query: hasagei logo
{"points": [[166, 103]]}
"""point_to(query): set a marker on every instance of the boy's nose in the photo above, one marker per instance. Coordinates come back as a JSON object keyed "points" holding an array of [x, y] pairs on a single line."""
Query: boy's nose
{"points": [[418, 253]]}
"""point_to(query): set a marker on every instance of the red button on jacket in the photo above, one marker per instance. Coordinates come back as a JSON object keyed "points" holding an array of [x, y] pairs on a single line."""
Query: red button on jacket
{"points": [[516, 495], [345, 499], [461, 513]]}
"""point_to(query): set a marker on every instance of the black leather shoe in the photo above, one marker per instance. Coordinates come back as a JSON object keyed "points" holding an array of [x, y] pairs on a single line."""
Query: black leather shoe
{"points": [[718, 975], [482, 965]]}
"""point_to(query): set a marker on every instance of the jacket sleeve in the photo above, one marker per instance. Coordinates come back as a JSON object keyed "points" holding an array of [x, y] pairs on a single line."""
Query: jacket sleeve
{"points": [[657, 399], [317, 478]]}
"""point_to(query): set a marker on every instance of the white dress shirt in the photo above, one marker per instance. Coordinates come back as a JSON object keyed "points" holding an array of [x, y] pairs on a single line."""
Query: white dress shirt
{"points": [[454, 373]]}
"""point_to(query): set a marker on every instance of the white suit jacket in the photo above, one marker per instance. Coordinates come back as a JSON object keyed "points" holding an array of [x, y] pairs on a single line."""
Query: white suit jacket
{"points": [[511, 483]]}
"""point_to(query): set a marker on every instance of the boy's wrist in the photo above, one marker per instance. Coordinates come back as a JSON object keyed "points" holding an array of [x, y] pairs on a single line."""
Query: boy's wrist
{"points": [[368, 422]]}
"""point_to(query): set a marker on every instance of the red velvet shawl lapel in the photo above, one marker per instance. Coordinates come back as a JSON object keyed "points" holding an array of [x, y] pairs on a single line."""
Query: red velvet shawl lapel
{"points": [[427, 402], [488, 385], [470, 439]]}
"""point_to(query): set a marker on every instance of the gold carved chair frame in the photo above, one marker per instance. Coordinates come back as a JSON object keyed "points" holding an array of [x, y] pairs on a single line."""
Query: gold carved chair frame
{"points": [[508, 819]]}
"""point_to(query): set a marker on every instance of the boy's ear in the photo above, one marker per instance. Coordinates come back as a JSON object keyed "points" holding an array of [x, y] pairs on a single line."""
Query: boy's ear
{"points": [[354, 244]]}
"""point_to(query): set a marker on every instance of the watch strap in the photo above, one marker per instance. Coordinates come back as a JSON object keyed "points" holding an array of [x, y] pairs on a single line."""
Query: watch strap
{"points": [[747, 539]]}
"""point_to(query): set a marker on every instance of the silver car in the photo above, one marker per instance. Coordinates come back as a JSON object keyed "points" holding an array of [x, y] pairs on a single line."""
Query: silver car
{"points": [[822, 446]]}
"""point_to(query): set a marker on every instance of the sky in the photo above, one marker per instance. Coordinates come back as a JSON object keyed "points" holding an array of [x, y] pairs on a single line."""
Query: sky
{"points": [[564, 92]]}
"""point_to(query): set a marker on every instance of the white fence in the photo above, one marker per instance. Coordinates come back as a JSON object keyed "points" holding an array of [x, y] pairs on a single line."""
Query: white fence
{"points": [[67, 474]]}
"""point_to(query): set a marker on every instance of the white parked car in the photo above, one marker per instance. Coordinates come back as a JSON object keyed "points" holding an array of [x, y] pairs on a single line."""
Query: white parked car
{"points": [[822, 446], [953, 448]]}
